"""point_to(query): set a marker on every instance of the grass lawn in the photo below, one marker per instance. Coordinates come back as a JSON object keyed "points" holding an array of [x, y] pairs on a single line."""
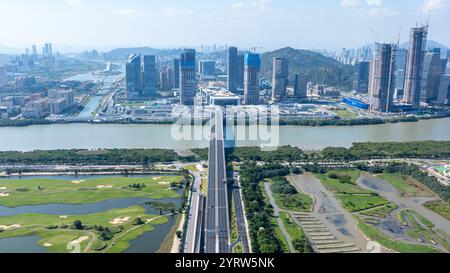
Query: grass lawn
{"points": [[345, 113], [279, 235], [381, 212], [293, 202], [335, 186], [440, 207], [407, 186], [56, 231], [353, 197], [233, 223], [355, 203], [295, 231], [192, 168], [372, 232], [298, 202], [205, 181], [47, 191]]}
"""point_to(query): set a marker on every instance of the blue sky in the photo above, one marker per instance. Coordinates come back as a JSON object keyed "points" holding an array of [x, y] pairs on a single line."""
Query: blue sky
{"points": [[268, 24]]}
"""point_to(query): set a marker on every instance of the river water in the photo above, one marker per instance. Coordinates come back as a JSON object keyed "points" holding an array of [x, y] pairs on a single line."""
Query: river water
{"points": [[97, 136], [94, 102]]}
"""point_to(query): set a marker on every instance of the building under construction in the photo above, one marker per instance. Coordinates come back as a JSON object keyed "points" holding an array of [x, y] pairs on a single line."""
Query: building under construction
{"points": [[382, 79], [414, 66]]}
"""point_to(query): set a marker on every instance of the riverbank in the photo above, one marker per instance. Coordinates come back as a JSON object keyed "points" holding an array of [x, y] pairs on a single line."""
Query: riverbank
{"points": [[282, 122]]}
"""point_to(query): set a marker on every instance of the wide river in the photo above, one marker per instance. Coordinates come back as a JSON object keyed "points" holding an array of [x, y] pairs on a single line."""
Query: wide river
{"points": [[97, 136]]}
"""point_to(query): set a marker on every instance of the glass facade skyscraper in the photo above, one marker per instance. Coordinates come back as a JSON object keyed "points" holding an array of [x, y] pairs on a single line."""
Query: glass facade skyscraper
{"points": [[187, 77]]}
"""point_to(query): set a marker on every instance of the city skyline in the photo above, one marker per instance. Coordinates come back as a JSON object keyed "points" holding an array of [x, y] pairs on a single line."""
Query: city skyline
{"points": [[192, 24]]}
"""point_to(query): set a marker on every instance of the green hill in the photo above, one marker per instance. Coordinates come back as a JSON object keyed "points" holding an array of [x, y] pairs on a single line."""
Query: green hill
{"points": [[319, 69]]}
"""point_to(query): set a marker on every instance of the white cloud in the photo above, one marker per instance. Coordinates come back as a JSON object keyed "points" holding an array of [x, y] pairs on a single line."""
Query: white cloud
{"points": [[350, 3], [128, 12], [381, 12], [373, 8], [255, 7], [73, 2], [173, 12], [431, 5], [374, 2]]}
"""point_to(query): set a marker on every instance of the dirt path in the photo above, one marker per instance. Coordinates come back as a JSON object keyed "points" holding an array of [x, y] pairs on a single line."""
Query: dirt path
{"points": [[277, 211], [177, 242], [329, 211], [128, 231], [414, 203]]}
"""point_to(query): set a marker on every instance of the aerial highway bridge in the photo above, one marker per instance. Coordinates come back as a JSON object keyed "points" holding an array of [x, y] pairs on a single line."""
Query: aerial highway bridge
{"points": [[209, 216], [217, 220]]}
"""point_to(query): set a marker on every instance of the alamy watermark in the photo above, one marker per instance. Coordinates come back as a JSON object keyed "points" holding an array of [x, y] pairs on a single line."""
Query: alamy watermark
{"points": [[243, 126]]}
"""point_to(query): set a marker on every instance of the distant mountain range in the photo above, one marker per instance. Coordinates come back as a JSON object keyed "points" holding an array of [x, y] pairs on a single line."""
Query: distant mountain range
{"points": [[123, 53], [430, 45], [319, 69], [10, 50]]}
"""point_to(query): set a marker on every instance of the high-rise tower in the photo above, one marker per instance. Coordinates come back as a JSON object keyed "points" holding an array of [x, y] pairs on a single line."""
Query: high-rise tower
{"points": [[133, 76], [241, 71], [279, 78], [361, 77], [252, 65], [400, 71], [300, 86], [431, 76], [187, 77], [444, 87], [233, 69], [149, 76], [176, 73], [414, 66], [382, 78]]}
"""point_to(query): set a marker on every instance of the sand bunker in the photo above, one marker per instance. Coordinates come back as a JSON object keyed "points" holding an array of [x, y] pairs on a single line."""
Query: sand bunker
{"points": [[4, 194], [104, 186], [156, 178], [79, 240], [120, 220], [63, 217], [9, 227], [164, 183], [3, 188], [48, 245], [199, 167]]}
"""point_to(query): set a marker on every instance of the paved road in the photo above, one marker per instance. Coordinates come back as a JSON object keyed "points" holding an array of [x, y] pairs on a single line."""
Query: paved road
{"points": [[217, 231], [276, 212], [415, 203], [330, 212], [194, 217], [210, 219], [240, 215]]}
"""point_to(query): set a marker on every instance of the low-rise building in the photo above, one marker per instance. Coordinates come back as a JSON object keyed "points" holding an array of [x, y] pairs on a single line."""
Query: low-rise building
{"points": [[36, 109]]}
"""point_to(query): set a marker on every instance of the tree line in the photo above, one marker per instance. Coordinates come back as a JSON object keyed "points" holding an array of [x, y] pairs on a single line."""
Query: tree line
{"points": [[259, 213], [358, 151], [97, 157]]}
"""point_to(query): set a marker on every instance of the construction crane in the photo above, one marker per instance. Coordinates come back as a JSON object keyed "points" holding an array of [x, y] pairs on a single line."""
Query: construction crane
{"points": [[399, 37], [376, 39], [255, 48]]}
